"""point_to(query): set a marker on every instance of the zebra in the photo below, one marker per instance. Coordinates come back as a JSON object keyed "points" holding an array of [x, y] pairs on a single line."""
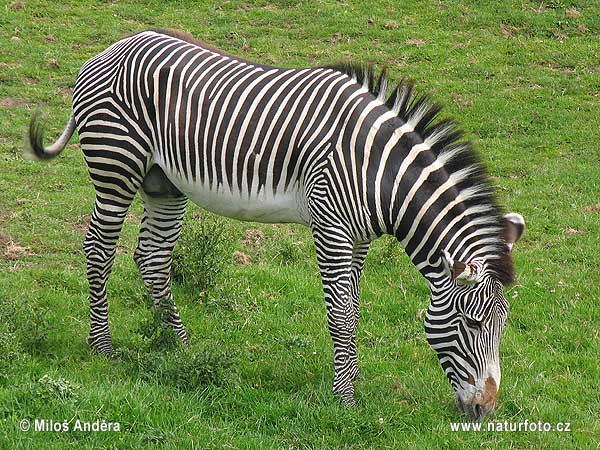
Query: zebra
{"points": [[331, 148]]}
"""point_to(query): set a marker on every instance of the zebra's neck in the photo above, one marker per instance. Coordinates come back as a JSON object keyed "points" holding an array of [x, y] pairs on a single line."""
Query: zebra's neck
{"points": [[442, 204], [425, 188], [439, 201]]}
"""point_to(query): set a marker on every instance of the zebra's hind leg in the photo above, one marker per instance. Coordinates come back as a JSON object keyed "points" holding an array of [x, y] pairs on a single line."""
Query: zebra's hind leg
{"points": [[359, 253], [160, 228], [100, 248], [334, 255]]}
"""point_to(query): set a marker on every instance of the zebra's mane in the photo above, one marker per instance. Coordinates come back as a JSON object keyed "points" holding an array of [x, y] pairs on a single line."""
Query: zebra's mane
{"points": [[446, 137]]}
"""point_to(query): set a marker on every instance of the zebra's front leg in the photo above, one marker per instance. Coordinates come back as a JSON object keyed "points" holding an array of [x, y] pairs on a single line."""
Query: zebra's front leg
{"points": [[359, 254], [159, 231], [334, 255]]}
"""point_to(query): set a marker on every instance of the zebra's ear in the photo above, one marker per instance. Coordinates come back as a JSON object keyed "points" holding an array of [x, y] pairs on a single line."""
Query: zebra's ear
{"points": [[459, 271], [514, 226]]}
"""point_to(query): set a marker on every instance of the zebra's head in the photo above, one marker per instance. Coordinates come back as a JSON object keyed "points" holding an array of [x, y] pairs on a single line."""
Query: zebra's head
{"points": [[464, 324]]}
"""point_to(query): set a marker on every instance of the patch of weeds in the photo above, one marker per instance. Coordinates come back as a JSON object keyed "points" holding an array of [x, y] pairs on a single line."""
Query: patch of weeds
{"points": [[10, 347], [155, 330], [232, 295], [191, 370], [10, 352], [203, 253], [221, 300], [288, 252], [155, 436], [25, 324], [389, 251], [186, 368], [295, 342], [48, 388], [35, 333], [555, 4], [38, 396]]}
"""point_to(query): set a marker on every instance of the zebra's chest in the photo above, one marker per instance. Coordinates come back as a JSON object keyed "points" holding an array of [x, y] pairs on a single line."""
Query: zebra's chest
{"points": [[284, 207]]}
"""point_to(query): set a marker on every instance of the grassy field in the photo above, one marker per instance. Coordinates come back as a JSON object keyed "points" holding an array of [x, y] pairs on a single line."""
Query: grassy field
{"points": [[522, 77]]}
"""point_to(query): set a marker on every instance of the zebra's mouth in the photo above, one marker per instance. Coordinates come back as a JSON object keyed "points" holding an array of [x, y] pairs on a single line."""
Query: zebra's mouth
{"points": [[475, 411]]}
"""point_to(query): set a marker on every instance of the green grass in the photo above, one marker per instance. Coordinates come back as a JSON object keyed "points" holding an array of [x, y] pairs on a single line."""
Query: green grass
{"points": [[520, 76]]}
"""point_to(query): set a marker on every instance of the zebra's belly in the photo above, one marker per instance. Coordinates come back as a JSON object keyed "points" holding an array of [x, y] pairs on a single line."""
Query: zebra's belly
{"points": [[286, 207]]}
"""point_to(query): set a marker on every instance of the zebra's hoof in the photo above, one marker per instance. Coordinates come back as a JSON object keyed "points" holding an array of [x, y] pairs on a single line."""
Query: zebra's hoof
{"points": [[346, 395], [348, 400], [102, 346], [183, 337]]}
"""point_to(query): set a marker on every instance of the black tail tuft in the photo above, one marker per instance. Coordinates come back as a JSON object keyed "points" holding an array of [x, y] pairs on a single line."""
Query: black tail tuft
{"points": [[34, 146], [36, 139]]}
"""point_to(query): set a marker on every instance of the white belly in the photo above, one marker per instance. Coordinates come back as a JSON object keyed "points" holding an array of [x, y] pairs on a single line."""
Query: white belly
{"points": [[287, 207]]}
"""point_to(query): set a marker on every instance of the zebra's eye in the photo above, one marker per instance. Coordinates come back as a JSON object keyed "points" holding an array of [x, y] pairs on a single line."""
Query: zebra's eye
{"points": [[472, 323]]}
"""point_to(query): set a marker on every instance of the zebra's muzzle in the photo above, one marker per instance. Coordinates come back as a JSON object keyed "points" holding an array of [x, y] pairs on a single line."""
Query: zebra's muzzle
{"points": [[482, 403]]}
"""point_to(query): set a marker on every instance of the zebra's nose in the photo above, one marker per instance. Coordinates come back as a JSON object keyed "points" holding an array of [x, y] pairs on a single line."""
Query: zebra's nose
{"points": [[484, 403]]}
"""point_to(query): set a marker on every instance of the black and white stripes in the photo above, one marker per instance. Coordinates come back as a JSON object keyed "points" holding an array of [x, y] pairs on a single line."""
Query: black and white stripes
{"points": [[173, 118]]}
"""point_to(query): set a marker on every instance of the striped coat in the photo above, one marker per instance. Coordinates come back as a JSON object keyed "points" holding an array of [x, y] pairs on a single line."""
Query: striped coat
{"points": [[172, 118]]}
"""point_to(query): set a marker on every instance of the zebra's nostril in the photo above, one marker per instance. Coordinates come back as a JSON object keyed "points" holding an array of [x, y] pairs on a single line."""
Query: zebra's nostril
{"points": [[478, 411]]}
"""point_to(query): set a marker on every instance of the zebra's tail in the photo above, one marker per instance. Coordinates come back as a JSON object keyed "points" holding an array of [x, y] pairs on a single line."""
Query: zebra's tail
{"points": [[34, 147]]}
